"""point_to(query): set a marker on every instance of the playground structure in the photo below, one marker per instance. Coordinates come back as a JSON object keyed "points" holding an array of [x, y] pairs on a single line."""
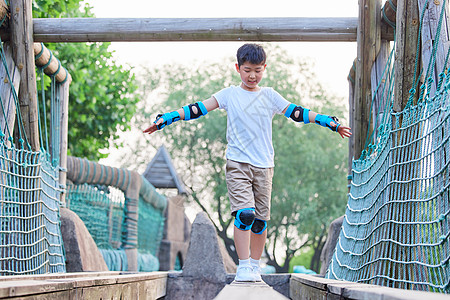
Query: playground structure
{"points": [[396, 228]]}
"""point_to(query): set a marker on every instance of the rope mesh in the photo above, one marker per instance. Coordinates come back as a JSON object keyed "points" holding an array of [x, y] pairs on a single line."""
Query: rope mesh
{"points": [[103, 210], [396, 227], [30, 235]]}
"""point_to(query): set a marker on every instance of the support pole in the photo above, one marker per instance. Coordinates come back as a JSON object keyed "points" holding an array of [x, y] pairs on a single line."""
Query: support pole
{"points": [[63, 142], [407, 38], [369, 39], [22, 45]]}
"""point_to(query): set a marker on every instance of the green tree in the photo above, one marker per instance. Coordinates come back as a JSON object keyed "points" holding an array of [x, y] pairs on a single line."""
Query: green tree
{"points": [[309, 186], [102, 96]]}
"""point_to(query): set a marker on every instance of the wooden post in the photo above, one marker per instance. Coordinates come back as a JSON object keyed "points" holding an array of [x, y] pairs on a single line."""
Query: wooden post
{"points": [[351, 117], [368, 38], [22, 45], [407, 37], [64, 125]]}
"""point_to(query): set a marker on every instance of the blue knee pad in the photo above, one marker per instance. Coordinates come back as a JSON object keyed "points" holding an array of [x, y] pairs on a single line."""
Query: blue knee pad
{"points": [[245, 218], [259, 226]]}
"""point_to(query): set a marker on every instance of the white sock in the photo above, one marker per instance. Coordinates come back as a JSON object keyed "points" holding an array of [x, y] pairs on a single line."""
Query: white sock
{"points": [[244, 262], [254, 262]]}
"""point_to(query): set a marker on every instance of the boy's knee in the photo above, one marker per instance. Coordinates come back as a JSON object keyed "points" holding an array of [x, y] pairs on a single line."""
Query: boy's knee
{"points": [[245, 218], [259, 226]]}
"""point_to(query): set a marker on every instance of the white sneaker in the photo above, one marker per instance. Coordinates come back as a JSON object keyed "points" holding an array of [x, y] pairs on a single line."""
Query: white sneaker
{"points": [[257, 273], [245, 273]]}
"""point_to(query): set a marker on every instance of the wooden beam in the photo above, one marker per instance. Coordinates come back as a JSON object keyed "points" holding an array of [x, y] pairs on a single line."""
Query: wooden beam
{"points": [[196, 29], [22, 46], [369, 39]]}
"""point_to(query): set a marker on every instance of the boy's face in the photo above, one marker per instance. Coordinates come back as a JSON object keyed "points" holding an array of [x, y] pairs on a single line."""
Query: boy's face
{"points": [[251, 75]]}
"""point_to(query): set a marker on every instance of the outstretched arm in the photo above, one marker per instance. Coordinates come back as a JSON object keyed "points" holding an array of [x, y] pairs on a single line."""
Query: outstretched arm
{"points": [[300, 114], [188, 112]]}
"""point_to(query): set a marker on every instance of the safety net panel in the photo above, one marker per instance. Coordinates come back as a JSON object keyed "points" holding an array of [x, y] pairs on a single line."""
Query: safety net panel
{"points": [[396, 227], [30, 235], [101, 208]]}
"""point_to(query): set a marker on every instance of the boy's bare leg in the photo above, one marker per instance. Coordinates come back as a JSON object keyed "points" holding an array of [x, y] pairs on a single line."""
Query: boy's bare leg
{"points": [[242, 243], [257, 242]]}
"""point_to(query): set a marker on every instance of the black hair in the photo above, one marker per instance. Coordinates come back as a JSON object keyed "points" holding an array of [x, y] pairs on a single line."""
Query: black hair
{"points": [[251, 53]]}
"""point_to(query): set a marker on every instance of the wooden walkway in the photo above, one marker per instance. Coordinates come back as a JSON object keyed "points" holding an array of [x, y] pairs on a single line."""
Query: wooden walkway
{"points": [[249, 291]]}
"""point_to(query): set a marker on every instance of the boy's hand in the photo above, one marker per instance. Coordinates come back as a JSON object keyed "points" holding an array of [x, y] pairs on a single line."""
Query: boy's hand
{"points": [[151, 129], [154, 126], [342, 130]]}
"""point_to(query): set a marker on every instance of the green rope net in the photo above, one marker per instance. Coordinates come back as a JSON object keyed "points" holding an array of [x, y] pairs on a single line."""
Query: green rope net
{"points": [[103, 210], [30, 235], [397, 225]]}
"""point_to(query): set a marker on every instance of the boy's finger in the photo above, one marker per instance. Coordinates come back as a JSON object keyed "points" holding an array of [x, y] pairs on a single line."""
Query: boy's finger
{"points": [[150, 129]]}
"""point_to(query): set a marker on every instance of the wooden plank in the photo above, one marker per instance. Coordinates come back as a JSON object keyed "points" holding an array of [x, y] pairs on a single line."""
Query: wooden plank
{"points": [[104, 285], [369, 39], [6, 93], [249, 291], [22, 45]]}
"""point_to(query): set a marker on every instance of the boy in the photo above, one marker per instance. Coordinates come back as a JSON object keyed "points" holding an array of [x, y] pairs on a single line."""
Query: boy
{"points": [[250, 155]]}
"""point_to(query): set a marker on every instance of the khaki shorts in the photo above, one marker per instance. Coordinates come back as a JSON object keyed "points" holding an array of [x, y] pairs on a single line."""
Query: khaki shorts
{"points": [[249, 186]]}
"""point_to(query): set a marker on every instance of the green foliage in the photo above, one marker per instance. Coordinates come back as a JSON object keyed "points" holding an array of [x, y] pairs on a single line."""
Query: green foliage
{"points": [[102, 93], [309, 186], [304, 259]]}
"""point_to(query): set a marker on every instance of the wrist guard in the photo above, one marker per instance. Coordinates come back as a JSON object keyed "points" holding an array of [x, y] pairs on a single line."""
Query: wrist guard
{"points": [[325, 121], [297, 113], [190, 114], [168, 118]]}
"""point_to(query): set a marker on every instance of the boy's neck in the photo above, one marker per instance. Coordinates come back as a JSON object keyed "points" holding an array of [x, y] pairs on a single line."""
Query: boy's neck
{"points": [[255, 89]]}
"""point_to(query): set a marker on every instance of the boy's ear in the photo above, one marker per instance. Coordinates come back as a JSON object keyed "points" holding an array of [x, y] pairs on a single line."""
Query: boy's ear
{"points": [[237, 67]]}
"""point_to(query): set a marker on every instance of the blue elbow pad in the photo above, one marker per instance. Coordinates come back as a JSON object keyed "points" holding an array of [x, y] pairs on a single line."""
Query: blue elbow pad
{"points": [[168, 118], [302, 115], [325, 121], [189, 113]]}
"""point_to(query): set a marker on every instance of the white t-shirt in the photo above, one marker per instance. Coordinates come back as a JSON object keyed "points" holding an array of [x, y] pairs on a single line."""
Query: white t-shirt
{"points": [[249, 123]]}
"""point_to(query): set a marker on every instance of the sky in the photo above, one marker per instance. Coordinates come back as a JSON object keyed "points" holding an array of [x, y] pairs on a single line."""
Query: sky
{"points": [[332, 60]]}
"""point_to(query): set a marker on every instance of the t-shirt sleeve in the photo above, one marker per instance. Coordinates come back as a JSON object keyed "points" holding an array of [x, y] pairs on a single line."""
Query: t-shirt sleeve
{"points": [[222, 97], [279, 103]]}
